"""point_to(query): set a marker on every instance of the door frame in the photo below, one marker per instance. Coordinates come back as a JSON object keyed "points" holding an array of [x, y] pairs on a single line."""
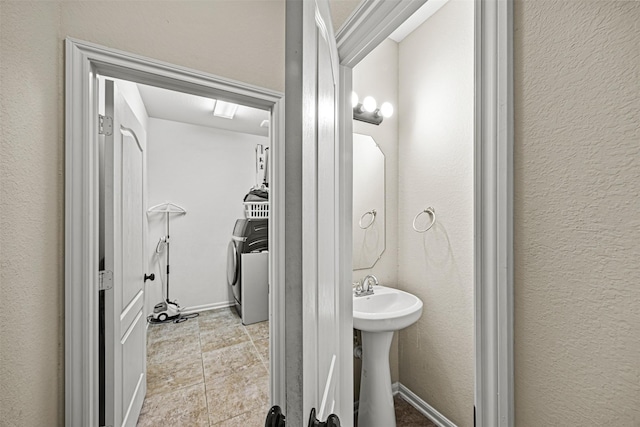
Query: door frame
{"points": [[83, 62], [371, 23]]}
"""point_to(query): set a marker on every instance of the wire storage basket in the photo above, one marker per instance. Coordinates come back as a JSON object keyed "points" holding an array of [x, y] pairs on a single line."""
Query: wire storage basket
{"points": [[253, 210]]}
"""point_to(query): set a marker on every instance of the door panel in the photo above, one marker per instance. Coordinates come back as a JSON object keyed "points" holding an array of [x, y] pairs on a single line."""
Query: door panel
{"points": [[133, 378], [124, 237], [312, 112], [327, 246]]}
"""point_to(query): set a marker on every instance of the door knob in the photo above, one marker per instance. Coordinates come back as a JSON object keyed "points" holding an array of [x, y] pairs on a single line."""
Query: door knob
{"points": [[275, 418], [151, 277], [332, 420]]}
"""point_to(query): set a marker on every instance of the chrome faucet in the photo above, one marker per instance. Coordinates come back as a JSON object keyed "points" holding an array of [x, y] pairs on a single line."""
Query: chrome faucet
{"points": [[366, 288], [366, 282]]}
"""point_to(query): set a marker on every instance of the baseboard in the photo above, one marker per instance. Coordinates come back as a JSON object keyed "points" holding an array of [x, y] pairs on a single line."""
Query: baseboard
{"points": [[395, 389], [207, 307], [422, 406]]}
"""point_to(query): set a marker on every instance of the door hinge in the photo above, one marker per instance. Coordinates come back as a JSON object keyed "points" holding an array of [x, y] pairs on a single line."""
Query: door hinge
{"points": [[105, 125], [105, 280]]}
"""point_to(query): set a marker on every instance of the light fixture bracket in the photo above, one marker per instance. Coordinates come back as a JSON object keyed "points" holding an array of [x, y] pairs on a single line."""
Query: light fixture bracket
{"points": [[374, 118]]}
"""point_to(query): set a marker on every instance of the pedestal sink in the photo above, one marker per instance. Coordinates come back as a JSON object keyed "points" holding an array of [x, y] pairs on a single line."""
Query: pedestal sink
{"points": [[378, 316]]}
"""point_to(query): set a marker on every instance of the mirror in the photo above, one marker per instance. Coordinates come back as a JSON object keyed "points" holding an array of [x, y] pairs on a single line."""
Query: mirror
{"points": [[369, 213]]}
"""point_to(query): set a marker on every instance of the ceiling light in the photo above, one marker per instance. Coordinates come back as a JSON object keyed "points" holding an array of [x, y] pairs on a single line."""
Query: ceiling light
{"points": [[369, 104], [386, 109], [264, 124], [354, 99], [225, 109]]}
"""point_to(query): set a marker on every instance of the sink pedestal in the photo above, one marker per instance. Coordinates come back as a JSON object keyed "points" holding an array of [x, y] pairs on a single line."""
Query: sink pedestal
{"points": [[375, 408]]}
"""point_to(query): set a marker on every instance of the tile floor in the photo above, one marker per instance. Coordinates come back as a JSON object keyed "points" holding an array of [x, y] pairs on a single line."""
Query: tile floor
{"points": [[213, 371], [207, 371], [406, 415]]}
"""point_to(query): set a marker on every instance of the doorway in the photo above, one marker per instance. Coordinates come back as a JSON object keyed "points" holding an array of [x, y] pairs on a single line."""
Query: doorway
{"points": [[414, 169], [261, 337], [204, 188], [494, 382]]}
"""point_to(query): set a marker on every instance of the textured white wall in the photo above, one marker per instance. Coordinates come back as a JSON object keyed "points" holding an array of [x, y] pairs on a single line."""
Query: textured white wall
{"points": [[576, 83], [243, 40], [577, 213], [208, 172], [377, 75], [436, 154], [31, 215]]}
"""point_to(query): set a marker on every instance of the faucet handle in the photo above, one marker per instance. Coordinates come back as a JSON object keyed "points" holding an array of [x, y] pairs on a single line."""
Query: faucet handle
{"points": [[358, 286]]}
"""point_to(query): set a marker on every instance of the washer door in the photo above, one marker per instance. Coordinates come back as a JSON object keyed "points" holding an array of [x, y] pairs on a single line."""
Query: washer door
{"points": [[233, 264]]}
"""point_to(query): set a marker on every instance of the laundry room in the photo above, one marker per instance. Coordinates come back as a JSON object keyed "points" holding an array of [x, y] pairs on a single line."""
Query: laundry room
{"points": [[205, 164], [192, 174]]}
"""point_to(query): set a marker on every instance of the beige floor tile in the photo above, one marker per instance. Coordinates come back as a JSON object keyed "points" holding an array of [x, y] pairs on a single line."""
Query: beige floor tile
{"points": [[181, 408], [234, 394], [213, 355], [170, 331], [222, 337], [263, 349], [216, 319], [229, 360], [174, 374], [254, 418], [186, 346], [258, 331]]}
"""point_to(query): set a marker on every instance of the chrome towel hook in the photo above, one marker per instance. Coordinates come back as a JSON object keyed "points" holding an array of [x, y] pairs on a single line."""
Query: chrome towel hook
{"points": [[431, 211], [373, 214]]}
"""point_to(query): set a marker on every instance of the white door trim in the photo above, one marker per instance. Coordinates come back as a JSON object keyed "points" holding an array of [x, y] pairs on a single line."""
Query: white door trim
{"points": [[372, 22], [83, 61]]}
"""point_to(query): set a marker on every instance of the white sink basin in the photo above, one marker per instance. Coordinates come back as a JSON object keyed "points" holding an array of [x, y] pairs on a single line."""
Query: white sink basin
{"points": [[386, 310], [378, 316]]}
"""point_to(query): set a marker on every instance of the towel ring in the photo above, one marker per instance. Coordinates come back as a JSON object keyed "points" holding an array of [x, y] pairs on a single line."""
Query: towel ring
{"points": [[431, 212], [373, 214]]}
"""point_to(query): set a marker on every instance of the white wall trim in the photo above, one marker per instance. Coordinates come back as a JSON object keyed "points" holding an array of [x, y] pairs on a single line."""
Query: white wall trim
{"points": [[82, 61], [207, 307], [278, 299], [424, 408], [372, 22], [494, 214], [414, 400], [368, 25]]}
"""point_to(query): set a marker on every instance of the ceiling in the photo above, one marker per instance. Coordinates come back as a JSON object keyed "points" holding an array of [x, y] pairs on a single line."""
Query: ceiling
{"points": [[415, 20], [197, 110]]}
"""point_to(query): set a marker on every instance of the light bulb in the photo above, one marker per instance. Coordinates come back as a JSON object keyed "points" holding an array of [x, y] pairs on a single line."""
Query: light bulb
{"points": [[369, 104], [354, 100], [386, 109]]}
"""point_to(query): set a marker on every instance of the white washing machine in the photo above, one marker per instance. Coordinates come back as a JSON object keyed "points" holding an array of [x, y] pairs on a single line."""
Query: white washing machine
{"points": [[248, 269]]}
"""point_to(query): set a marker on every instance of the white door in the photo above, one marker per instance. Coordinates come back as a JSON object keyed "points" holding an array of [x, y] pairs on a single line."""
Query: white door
{"points": [[125, 222], [313, 91]]}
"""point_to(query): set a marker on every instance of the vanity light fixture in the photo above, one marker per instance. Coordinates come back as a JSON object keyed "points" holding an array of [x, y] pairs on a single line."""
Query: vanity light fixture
{"points": [[224, 109], [368, 112]]}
